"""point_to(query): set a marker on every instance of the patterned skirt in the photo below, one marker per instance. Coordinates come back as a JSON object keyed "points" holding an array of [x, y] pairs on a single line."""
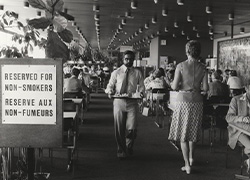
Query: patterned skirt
{"points": [[186, 121]]}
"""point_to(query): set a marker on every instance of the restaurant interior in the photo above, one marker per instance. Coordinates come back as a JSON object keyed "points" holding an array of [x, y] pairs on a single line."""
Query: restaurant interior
{"points": [[47, 39]]}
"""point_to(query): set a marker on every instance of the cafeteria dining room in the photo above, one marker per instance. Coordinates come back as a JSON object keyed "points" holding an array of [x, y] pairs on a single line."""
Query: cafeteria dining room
{"points": [[124, 89]]}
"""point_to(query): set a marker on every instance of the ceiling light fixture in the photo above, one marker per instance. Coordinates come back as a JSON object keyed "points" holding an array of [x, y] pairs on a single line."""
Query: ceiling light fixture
{"points": [[97, 23], [136, 33], [96, 8], [128, 14], [154, 20], [189, 18], [210, 23], [164, 12], [174, 35], [211, 32], [166, 29], [120, 26], [176, 24], [231, 16], [158, 32], [195, 28], [140, 30], [188, 38], [209, 9], [156, 1], [183, 32], [134, 4], [242, 30], [97, 17], [180, 2], [198, 35], [124, 21], [146, 26]]}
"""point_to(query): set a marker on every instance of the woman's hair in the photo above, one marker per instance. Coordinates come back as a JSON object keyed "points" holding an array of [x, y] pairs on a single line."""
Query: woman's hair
{"points": [[193, 48]]}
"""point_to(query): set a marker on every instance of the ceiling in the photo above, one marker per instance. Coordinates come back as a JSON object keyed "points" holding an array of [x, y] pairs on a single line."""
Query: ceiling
{"points": [[111, 33]]}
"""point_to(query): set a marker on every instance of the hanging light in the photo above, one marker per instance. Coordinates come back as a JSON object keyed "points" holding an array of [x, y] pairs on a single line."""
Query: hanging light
{"points": [[134, 4], [136, 33], [124, 21], [195, 28], [242, 30], [188, 38], [183, 32], [146, 26], [140, 30], [198, 35], [166, 29], [189, 18], [164, 12], [96, 8], [174, 35], [97, 23], [231, 16], [97, 17], [154, 20], [176, 24], [211, 32], [128, 14], [210, 23], [208, 9], [180, 2], [120, 26]]}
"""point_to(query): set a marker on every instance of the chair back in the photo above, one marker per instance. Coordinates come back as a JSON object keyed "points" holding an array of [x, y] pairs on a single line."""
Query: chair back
{"points": [[73, 94], [160, 94]]}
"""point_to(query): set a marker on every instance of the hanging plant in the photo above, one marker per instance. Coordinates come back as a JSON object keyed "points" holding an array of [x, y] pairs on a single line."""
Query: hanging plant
{"points": [[55, 21]]}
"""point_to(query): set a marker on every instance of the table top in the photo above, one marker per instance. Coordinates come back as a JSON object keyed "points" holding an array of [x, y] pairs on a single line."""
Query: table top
{"points": [[69, 115], [243, 127], [75, 100], [215, 105]]}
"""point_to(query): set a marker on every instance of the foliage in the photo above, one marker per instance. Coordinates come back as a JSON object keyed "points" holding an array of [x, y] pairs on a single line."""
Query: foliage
{"points": [[10, 19], [56, 22]]}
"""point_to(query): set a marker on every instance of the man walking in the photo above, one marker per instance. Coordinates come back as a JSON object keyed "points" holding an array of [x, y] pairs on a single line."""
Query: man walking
{"points": [[125, 82]]}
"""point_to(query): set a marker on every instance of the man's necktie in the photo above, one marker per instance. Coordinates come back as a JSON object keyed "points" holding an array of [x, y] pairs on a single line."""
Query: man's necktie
{"points": [[124, 87]]}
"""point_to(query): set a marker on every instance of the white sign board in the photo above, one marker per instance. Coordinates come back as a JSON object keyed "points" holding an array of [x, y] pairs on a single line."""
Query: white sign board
{"points": [[29, 94]]}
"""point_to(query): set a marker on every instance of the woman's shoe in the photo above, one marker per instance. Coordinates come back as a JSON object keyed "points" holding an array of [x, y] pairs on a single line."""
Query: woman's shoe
{"points": [[187, 169], [191, 162]]}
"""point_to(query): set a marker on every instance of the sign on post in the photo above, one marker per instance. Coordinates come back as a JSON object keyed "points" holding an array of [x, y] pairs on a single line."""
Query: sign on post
{"points": [[31, 102], [29, 94]]}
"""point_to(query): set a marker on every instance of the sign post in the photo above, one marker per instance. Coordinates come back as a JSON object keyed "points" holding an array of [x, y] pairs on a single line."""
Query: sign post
{"points": [[31, 110]]}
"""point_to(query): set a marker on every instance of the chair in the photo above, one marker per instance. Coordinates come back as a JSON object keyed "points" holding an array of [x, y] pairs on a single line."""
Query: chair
{"points": [[70, 132], [208, 123], [158, 104], [221, 123]]}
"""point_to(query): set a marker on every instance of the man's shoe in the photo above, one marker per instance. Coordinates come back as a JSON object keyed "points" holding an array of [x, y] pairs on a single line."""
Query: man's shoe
{"points": [[121, 155], [247, 164]]}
